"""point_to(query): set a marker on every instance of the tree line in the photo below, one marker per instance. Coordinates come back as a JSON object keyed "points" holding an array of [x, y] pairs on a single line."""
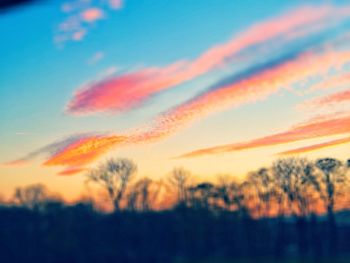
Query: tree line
{"points": [[294, 209]]}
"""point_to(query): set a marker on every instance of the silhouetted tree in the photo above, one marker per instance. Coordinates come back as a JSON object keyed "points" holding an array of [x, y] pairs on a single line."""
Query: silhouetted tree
{"points": [[142, 195], [294, 178], [223, 192], [201, 195], [32, 196], [215, 225], [233, 195], [332, 178], [180, 178], [262, 187], [114, 176]]}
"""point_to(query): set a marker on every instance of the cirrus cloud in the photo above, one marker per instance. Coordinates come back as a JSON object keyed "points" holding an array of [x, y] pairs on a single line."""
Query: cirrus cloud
{"points": [[318, 146], [315, 128], [126, 92], [292, 67], [80, 18]]}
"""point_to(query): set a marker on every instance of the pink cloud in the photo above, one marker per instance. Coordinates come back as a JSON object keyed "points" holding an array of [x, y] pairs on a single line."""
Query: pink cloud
{"points": [[81, 17], [316, 147], [72, 171], [79, 35], [142, 84], [255, 87], [128, 91], [123, 92], [314, 128], [116, 4], [327, 101], [330, 82], [92, 14]]}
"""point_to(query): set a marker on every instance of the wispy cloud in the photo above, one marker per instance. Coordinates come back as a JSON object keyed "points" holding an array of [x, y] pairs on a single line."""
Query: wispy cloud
{"points": [[116, 4], [314, 128], [331, 82], [23, 133], [327, 101], [96, 58], [123, 92], [50, 149], [128, 91], [84, 150], [81, 16], [108, 72], [72, 171], [291, 68], [73, 152], [92, 14], [253, 85], [316, 147]]}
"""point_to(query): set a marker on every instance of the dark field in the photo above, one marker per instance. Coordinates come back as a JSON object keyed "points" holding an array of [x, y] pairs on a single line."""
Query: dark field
{"points": [[78, 234]]}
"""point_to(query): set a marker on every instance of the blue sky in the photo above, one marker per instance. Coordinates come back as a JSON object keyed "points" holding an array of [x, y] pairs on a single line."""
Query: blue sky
{"points": [[40, 76]]}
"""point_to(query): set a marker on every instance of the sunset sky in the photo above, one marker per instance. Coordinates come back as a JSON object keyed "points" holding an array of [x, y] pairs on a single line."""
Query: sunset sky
{"points": [[217, 87]]}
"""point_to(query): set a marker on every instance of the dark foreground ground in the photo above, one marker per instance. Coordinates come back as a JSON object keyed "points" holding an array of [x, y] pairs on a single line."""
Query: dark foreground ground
{"points": [[272, 260], [79, 234]]}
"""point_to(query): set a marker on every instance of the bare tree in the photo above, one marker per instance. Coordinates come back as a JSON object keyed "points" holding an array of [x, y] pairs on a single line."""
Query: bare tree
{"points": [[223, 189], [114, 176], [294, 178], [201, 195], [142, 195], [263, 190], [332, 180], [32, 196], [180, 178], [332, 177], [232, 194]]}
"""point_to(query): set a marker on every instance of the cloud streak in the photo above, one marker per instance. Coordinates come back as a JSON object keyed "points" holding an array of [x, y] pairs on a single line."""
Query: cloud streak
{"points": [[249, 86], [255, 81], [316, 147], [337, 80], [327, 101], [84, 150], [314, 128], [72, 171], [50, 149], [123, 92], [253, 85], [128, 91]]}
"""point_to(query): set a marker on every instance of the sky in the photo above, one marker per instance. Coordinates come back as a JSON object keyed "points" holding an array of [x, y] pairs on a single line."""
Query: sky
{"points": [[216, 87]]}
